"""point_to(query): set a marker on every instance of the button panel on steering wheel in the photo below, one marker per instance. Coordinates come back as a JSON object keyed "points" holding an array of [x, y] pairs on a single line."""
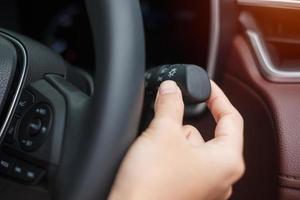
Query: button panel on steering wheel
{"points": [[25, 150], [34, 127]]}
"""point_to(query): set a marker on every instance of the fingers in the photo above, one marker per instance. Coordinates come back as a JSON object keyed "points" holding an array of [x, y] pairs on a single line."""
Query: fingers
{"points": [[229, 129], [228, 193], [193, 135], [168, 106]]}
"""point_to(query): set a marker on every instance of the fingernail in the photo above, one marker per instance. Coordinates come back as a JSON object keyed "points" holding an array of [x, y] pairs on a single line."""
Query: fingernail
{"points": [[168, 87]]}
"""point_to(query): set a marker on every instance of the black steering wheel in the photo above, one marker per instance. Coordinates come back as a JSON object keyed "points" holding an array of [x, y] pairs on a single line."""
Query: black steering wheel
{"points": [[71, 141]]}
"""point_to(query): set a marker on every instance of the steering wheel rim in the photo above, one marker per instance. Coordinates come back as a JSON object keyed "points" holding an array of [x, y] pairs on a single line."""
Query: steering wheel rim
{"points": [[89, 164]]}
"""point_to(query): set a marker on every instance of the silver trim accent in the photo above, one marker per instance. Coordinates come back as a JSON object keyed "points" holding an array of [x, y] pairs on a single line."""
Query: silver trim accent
{"points": [[20, 84], [286, 4], [214, 38], [268, 69]]}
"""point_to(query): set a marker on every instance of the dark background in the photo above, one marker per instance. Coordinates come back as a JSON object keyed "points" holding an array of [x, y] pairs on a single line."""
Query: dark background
{"points": [[176, 31]]}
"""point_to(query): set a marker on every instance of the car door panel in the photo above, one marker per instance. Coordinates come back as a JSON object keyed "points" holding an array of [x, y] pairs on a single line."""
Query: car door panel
{"points": [[282, 101]]}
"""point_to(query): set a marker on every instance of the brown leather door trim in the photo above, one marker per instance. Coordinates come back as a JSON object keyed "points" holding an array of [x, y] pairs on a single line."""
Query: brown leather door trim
{"points": [[283, 101], [289, 181]]}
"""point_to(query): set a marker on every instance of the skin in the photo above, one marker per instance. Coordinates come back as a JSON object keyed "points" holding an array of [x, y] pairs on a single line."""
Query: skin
{"points": [[172, 161]]}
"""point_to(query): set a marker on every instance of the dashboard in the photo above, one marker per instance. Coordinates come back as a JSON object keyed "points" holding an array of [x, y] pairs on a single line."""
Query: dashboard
{"points": [[176, 31]]}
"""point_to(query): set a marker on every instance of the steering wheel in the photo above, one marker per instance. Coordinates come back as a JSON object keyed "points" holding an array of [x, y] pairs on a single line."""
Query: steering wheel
{"points": [[55, 134]]}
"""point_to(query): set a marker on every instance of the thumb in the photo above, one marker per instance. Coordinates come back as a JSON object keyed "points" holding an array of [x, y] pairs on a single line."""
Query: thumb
{"points": [[169, 105]]}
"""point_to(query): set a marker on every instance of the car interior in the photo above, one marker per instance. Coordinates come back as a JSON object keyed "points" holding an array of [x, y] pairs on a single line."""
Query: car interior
{"points": [[76, 88]]}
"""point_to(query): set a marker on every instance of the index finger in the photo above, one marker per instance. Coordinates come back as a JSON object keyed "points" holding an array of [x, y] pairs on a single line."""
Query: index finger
{"points": [[229, 129]]}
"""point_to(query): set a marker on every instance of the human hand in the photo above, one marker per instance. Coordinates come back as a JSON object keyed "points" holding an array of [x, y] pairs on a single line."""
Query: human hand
{"points": [[170, 161]]}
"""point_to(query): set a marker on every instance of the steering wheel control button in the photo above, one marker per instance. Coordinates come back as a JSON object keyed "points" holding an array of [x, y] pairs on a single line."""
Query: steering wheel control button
{"points": [[44, 130], [17, 170], [32, 173], [41, 111], [20, 170], [26, 100], [10, 133], [34, 127], [27, 143], [6, 163], [25, 172]]}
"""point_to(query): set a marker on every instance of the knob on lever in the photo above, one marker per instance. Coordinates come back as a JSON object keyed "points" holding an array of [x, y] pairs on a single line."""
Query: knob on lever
{"points": [[191, 79]]}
